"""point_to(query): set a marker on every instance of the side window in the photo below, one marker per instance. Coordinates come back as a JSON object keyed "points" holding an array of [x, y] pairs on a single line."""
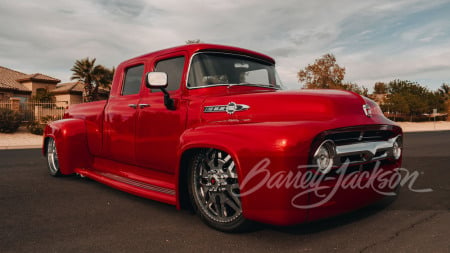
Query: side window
{"points": [[40, 92], [133, 79], [174, 69]]}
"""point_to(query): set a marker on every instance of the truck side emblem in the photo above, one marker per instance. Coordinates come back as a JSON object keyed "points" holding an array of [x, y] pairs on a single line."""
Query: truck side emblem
{"points": [[231, 108], [367, 110]]}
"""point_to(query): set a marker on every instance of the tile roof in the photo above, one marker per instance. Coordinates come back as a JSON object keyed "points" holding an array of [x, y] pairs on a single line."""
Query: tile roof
{"points": [[77, 87], [9, 77], [39, 77], [12, 79]]}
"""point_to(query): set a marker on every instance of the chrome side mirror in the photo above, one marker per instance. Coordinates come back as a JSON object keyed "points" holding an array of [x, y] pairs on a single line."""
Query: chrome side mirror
{"points": [[156, 80]]}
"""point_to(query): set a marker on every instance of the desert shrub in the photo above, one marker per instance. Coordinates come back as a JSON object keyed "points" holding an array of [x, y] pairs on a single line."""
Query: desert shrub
{"points": [[37, 127], [9, 120]]}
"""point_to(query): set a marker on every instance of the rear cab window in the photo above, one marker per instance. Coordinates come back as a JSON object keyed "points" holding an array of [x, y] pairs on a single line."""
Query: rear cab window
{"points": [[133, 80]]}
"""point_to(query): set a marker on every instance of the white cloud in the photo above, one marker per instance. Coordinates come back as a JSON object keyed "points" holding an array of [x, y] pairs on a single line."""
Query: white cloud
{"points": [[48, 36]]}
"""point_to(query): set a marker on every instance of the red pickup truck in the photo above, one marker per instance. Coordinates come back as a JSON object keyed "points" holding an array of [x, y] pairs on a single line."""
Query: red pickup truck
{"points": [[211, 128]]}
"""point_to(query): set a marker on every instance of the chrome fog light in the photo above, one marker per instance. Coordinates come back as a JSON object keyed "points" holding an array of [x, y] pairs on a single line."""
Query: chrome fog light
{"points": [[397, 148], [324, 156]]}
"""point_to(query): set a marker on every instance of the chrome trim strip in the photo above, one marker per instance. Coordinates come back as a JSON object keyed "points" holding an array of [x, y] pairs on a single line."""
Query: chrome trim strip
{"points": [[138, 183]]}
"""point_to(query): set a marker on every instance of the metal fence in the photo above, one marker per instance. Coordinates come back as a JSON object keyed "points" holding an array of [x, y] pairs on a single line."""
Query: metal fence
{"points": [[5, 105], [36, 111]]}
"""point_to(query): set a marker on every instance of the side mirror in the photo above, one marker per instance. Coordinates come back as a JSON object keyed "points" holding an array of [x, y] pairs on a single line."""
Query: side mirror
{"points": [[156, 80]]}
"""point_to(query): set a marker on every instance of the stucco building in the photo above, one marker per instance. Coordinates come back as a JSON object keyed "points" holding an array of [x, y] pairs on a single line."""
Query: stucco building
{"points": [[23, 86], [15, 84]]}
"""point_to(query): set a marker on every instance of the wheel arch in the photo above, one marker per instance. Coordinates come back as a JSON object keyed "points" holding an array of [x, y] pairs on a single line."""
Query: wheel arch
{"points": [[249, 145], [187, 151], [71, 144]]}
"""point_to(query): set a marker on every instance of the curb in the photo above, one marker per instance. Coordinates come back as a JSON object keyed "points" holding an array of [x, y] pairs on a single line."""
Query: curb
{"points": [[424, 131], [20, 147]]}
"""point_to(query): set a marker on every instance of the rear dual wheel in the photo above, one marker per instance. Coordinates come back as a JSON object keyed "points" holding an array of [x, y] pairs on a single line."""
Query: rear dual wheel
{"points": [[214, 191]]}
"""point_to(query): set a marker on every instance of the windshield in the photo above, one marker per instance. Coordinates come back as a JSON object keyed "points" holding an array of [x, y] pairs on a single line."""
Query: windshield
{"points": [[212, 69]]}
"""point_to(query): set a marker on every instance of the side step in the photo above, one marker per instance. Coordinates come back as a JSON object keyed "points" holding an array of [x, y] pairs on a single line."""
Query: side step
{"points": [[142, 189]]}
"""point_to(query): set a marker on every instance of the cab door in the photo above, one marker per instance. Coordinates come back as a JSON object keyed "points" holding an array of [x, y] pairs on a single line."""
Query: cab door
{"points": [[159, 129], [121, 115]]}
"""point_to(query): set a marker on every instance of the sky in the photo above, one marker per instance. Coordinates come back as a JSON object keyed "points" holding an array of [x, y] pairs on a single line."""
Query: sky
{"points": [[375, 40]]}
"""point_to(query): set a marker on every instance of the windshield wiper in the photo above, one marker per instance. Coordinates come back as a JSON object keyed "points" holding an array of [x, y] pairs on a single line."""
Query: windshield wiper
{"points": [[255, 85]]}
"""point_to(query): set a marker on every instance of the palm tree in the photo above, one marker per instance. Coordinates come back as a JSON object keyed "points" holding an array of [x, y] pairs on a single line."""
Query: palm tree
{"points": [[103, 77], [83, 70], [93, 76]]}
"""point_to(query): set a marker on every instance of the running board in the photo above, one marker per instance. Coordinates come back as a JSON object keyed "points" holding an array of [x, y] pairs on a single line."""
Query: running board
{"points": [[132, 186]]}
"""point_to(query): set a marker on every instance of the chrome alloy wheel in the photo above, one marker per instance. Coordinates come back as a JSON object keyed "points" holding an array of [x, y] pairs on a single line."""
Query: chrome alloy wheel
{"points": [[52, 158], [216, 188]]}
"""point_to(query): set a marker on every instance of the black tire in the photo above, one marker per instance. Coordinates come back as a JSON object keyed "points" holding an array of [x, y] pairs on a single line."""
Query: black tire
{"points": [[52, 158], [213, 185]]}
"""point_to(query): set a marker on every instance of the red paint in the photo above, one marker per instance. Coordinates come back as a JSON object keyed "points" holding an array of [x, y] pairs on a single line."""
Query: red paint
{"points": [[110, 141]]}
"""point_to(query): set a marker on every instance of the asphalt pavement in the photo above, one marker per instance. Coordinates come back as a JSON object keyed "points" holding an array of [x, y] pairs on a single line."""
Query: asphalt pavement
{"points": [[39, 213]]}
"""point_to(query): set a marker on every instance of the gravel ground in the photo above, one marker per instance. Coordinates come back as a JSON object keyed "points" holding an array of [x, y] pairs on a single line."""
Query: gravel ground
{"points": [[23, 139]]}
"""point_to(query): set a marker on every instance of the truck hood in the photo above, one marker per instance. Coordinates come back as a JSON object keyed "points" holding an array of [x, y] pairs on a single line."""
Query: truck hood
{"points": [[281, 106]]}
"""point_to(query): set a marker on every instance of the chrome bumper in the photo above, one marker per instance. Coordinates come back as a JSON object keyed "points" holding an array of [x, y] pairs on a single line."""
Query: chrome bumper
{"points": [[363, 152]]}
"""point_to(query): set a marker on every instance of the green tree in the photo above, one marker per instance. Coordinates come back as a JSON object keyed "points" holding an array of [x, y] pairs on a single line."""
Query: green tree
{"points": [[355, 88], [325, 73], [444, 96], [93, 76], [444, 91], [380, 88], [396, 103], [412, 99]]}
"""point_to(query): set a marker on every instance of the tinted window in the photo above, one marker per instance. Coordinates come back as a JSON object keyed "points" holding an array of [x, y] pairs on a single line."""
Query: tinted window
{"points": [[174, 69], [211, 69], [133, 79]]}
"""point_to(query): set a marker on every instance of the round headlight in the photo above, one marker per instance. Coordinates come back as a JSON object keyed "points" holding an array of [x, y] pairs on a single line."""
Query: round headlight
{"points": [[397, 148], [324, 156]]}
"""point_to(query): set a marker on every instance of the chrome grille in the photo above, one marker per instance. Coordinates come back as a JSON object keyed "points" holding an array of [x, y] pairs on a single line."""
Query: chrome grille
{"points": [[360, 148], [359, 136]]}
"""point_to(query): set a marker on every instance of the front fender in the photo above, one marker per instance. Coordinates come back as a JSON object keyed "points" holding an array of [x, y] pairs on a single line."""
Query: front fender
{"points": [[71, 144], [285, 146]]}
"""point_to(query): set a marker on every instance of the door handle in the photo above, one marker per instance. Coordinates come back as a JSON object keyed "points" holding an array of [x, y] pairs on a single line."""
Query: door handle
{"points": [[132, 106], [143, 105]]}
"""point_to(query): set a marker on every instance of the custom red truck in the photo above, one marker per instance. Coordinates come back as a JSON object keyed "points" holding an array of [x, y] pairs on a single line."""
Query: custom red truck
{"points": [[211, 128]]}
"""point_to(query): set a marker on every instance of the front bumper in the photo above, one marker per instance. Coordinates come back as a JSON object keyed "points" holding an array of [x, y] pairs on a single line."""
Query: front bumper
{"points": [[366, 173]]}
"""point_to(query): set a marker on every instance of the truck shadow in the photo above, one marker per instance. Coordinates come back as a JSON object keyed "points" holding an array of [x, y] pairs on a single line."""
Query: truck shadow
{"points": [[169, 210], [333, 222]]}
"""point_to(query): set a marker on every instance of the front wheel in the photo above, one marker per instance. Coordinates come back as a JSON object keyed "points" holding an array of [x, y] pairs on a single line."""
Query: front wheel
{"points": [[52, 158], [214, 191]]}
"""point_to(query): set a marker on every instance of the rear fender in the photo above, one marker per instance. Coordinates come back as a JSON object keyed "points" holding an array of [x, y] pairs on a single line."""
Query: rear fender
{"points": [[71, 144]]}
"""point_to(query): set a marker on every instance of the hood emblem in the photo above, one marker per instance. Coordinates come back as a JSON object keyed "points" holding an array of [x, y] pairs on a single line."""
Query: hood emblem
{"points": [[367, 110], [230, 108]]}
